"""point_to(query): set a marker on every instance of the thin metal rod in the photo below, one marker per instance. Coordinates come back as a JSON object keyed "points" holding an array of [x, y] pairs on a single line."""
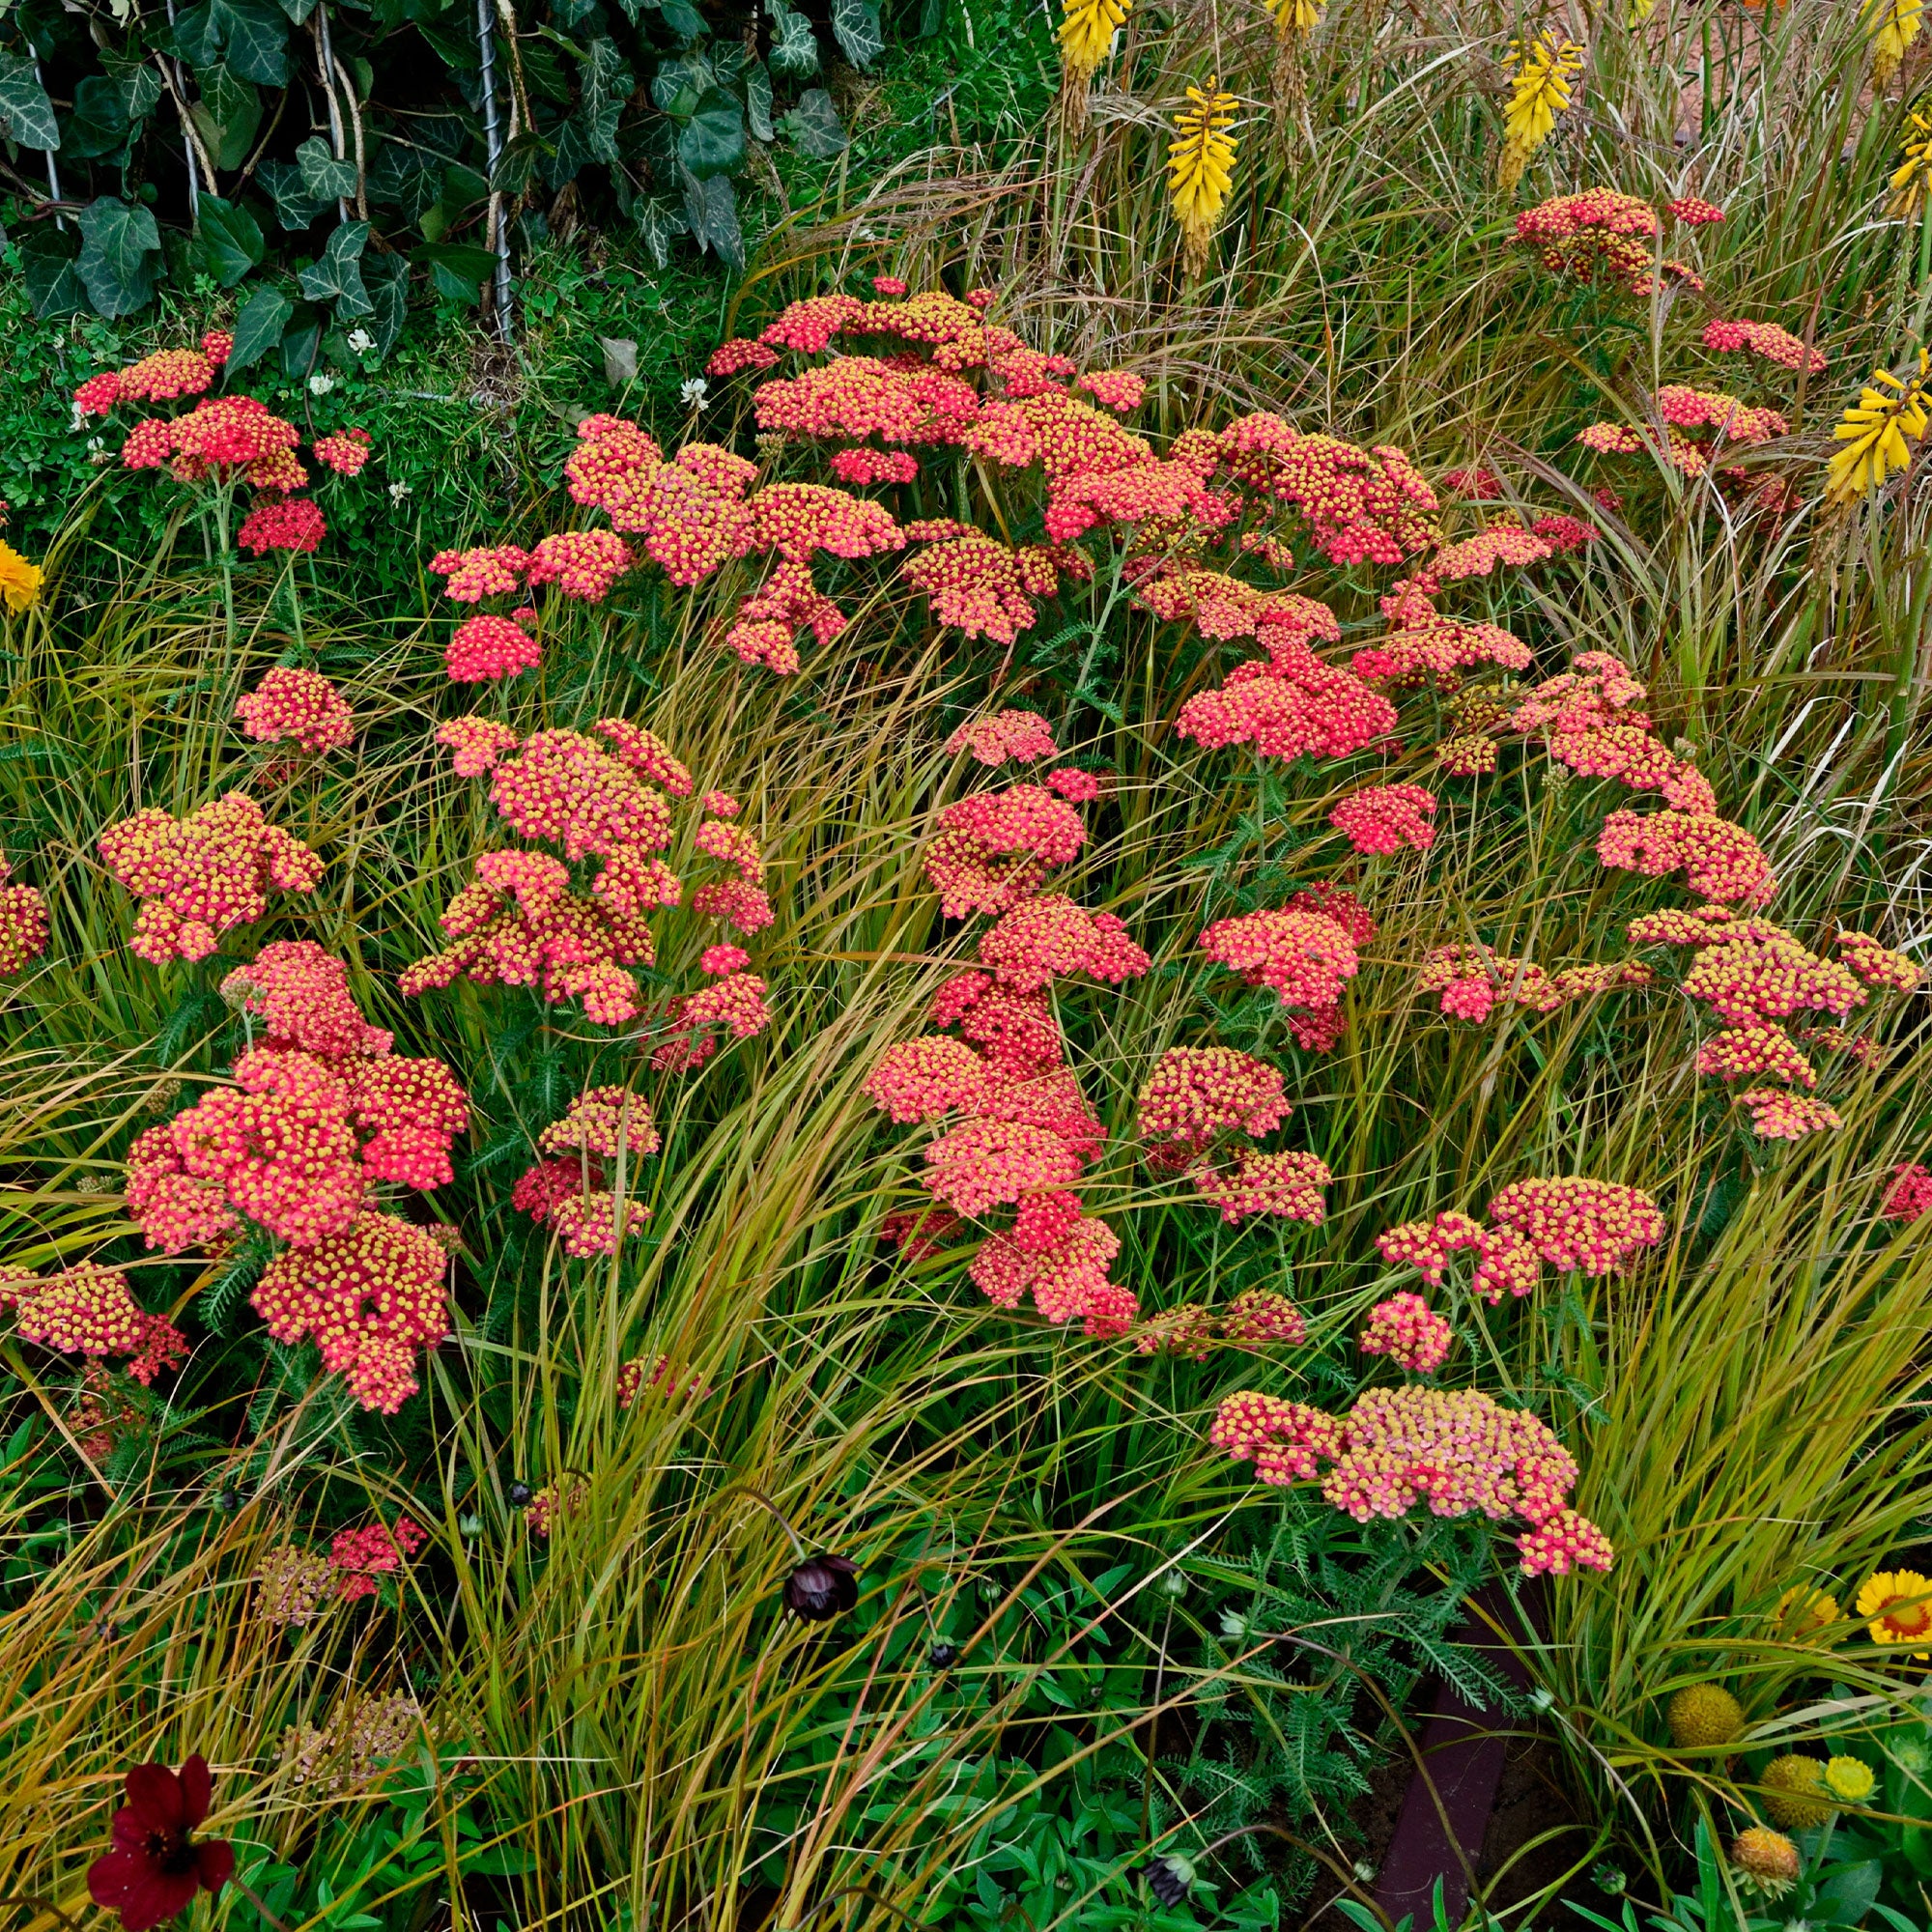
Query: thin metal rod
{"points": [[53, 173], [187, 138], [493, 141]]}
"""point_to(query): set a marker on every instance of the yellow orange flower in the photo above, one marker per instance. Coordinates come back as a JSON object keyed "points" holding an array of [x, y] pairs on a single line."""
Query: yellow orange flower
{"points": [[1801, 1611], [1913, 176], [19, 580], [1087, 30], [1892, 26], [1877, 432], [1539, 75], [1898, 1607], [1295, 16], [1200, 168]]}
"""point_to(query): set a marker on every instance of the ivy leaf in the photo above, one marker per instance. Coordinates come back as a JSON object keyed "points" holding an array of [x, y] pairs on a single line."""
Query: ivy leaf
{"points": [[259, 327], [458, 270], [659, 219], [794, 46], [337, 277], [758, 102], [855, 26], [712, 142], [98, 126], [298, 11], [685, 21], [255, 39], [605, 83], [294, 207], [387, 280], [405, 179], [227, 241], [228, 115], [24, 106], [323, 178], [120, 256], [52, 277], [815, 127], [712, 210]]}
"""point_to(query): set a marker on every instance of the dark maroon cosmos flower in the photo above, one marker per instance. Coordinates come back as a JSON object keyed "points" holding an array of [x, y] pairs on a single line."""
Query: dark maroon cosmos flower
{"points": [[822, 1587], [156, 1866]]}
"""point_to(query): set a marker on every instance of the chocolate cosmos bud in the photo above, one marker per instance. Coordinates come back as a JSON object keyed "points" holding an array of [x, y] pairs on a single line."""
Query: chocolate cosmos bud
{"points": [[822, 1587], [942, 1656]]}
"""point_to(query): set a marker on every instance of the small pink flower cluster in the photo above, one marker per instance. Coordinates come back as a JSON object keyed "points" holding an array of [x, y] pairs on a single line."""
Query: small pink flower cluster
{"points": [[360, 1556], [571, 1187], [1027, 1132], [1719, 861], [1197, 1108], [344, 452], [1424, 647], [485, 647], [1019, 735], [88, 1309], [1910, 1195], [318, 1115], [1223, 606], [164, 377], [1409, 1333], [1779, 1114], [1603, 236], [1255, 1318], [1306, 958], [1682, 411], [370, 1296], [301, 706], [23, 922], [1289, 706], [995, 848], [293, 523], [200, 875], [1384, 818], [1472, 980], [1766, 339], [1454, 1449], [637, 1376]]}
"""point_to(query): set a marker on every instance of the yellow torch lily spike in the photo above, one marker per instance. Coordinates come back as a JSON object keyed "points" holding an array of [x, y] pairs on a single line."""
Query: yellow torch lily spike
{"points": [[1200, 169], [1087, 30], [1877, 432], [1295, 16], [1891, 25], [1912, 177], [1539, 76]]}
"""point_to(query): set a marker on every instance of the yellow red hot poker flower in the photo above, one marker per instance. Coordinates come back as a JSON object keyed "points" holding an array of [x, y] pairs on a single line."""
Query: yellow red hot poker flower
{"points": [[1087, 30], [1876, 433], [1539, 75], [1200, 168], [1892, 26]]}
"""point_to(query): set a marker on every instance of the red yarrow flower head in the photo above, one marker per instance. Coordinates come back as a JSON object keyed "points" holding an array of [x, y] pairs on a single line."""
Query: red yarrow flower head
{"points": [[1384, 818], [1910, 1195], [299, 706], [157, 1866], [295, 525], [1409, 1333], [344, 452], [485, 647]]}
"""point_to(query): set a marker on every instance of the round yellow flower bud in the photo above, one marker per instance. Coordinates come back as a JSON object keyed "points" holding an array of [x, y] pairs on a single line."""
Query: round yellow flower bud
{"points": [[1766, 1861], [1850, 1779], [1794, 1793], [1704, 1714]]}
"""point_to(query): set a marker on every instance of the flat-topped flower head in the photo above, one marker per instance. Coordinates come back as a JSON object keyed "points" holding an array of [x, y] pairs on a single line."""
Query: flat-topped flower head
{"points": [[1195, 1094], [1781, 1116], [295, 524], [296, 706], [485, 647], [1720, 861], [927, 1078], [1049, 938], [1591, 1227], [1287, 1186], [1305, 958], [23, 922], [1384, 818], [1909, 1196], [300, 992], [1001, 735], [1410, 1333]]}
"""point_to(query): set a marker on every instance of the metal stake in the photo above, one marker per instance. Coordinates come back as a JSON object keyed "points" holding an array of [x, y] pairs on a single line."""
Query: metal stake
{"points": [[493, 141]]}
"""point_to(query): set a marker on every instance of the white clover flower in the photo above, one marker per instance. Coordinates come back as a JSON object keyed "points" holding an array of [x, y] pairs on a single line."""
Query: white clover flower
{"points": [[321, 383], [96, 444], [693, 390], [398, 490], [361, 341]]}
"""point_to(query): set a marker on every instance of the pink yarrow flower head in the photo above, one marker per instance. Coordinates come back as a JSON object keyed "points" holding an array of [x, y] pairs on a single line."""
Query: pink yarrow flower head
{"points": [[1409, 1333], [1306, 958], [1018, 735], [1777, 1115], [1909, 1197], [473, 575], [299, 706], [199, 876], [1194, 1094], [344, 452], [1287, 1186], [24, 925], [1456, 1450], [1051, 938], [582, 564], [293, 523], [475, 744], [300, 994], [485, 647], [1260, 1316], [994, 849], [721, 805], [1384, 818], [1591, 1227]]}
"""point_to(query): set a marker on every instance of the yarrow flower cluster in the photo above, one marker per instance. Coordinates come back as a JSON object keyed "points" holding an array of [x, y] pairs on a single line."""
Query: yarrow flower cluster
{"points": [[88, 1310], [522, 922], [1765, 339], [199, 876], [1603, 236], [301, 707], [1456, 1450], [1304, 956], [1577, 1225], [1409, 1333], [605, 1129], [23, 922], [1384, 818]]}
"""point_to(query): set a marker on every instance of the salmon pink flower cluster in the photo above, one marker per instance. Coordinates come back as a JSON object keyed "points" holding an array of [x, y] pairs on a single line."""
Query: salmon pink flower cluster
{"points": [[1456, 1450], [994, 849], [1022, 736], [605, 1129], [1721, 861], [88, 1309], [1409, 1333], [360, 1557], [1382, 819], [1304, 956], [1472, 980], [1695, 424], [299, 708], [164, 377], [321, 1114], [487, 647], [292, 523], [1909, 1197], [23, 922], [1765, 339], [1024, 1133], [199, 876], [523, 921], [1602, 235]]}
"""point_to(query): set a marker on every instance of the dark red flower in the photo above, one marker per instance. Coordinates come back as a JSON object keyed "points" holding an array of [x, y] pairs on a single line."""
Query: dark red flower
{"points": [[156, 1866], [822, 1587]]}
